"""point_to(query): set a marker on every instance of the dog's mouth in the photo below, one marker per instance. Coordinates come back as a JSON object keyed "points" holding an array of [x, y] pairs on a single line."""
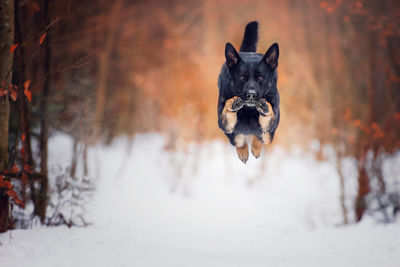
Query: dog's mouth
{"points": [[250, 103]]}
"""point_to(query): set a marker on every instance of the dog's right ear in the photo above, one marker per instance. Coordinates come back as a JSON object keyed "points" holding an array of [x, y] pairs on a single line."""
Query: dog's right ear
{"points": [[231, 55]]}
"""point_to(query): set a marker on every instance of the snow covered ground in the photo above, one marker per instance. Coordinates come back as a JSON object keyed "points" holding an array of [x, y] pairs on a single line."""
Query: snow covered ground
{"points": [[203, 207]]}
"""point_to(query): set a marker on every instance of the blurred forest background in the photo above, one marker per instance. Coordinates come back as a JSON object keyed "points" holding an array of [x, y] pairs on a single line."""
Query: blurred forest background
{"points": [[101, 69]]}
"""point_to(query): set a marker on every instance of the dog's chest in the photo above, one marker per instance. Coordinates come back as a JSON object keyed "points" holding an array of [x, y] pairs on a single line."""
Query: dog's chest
{"points": [[247, 121]]}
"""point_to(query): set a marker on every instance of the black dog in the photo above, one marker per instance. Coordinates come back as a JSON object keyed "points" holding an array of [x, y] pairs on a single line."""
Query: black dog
{"points": [[248, 102]]}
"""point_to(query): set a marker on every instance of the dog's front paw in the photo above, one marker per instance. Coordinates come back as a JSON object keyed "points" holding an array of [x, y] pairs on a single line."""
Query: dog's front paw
{"points": [[234, 104], [263, 107]]}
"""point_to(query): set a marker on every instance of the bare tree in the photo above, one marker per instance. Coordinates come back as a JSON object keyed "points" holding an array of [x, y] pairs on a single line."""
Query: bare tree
{"points": [[6, 41]]}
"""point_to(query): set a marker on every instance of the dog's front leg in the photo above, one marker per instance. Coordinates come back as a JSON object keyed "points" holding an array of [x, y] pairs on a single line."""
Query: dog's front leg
{"points": [[228, 116], [265, 119]]}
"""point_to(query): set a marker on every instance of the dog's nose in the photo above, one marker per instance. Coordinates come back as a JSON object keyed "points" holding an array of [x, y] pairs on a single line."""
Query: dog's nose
{"points": [[251, 95]]}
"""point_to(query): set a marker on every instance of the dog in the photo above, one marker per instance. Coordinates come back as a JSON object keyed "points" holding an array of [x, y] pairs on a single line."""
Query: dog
{"points": [[248, 101]]}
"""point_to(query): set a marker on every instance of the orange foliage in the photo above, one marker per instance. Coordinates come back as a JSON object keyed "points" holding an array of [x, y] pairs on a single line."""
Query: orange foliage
{"points": [[41, 39], [13, 47], [397, 116], [4, 184], [27, 168], [14, 169], [27, 93]]}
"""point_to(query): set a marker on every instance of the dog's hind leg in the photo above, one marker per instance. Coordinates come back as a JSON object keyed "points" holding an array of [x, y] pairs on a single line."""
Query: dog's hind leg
{"points": [[242, 148], [228, 116], [256, 146]]}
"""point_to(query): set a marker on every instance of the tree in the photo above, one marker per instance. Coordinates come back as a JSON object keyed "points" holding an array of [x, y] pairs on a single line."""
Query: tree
{"points": [[41, 199], [6, 42]]}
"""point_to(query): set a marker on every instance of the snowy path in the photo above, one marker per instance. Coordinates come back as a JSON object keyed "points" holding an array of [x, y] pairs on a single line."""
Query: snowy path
{"points": [[204, 208]]}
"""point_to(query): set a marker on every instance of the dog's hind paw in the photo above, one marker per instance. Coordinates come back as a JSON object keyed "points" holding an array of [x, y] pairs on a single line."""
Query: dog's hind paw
{"points": [[256, 146], [243, 153]]}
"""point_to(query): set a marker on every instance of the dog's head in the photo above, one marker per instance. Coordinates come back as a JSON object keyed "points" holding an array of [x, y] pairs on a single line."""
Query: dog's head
{"points": [[252, 76]]}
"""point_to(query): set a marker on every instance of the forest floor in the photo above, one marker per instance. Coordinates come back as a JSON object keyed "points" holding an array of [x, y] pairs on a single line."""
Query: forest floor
{"points": [[203, 207]]}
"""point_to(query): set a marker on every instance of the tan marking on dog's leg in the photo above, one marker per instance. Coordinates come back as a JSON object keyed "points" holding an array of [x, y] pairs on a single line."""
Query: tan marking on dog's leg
{"points": [[230, 121], [229, 117], [266, 119], [240, 140], [242, 148], [266, 138], [256, 146]]}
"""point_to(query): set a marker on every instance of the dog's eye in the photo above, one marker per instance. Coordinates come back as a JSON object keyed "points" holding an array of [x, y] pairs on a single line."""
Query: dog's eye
{"points": [[242, 78], [260, 78]]}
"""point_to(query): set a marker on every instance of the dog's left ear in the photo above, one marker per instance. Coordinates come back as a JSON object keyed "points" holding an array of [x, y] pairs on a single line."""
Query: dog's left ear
{"points": [[271, 57], [231, 55]]}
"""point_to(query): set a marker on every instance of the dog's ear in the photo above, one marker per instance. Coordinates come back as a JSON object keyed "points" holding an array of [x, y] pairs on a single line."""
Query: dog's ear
{"points": [[231, 55], [271, 57]]}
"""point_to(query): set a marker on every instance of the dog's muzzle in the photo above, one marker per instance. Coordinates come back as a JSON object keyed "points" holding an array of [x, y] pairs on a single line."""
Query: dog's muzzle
{"points": [[250, 98]]}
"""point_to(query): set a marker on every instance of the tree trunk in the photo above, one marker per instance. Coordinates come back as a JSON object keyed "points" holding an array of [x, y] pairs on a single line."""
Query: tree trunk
{"points": [[103, 70], [339, 168], [41, 204], [85, 163], [75, 155], [18, 78], [362, 192], [6, 61]]}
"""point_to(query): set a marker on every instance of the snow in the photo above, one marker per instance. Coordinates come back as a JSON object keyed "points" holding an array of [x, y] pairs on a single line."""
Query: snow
{"points": [[363, 245], [202, 207]]}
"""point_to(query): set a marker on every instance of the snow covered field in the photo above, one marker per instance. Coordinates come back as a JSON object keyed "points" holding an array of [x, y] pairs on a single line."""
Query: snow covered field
{"points": [[203, 207]]}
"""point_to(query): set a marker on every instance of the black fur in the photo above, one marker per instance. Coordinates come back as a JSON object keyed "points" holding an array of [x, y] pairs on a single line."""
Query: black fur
{"points": [[250, 38], [248, 71]]}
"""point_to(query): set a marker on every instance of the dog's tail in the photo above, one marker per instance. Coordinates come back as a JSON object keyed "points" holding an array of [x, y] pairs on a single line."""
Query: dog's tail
{"points": [[250, 38]]}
